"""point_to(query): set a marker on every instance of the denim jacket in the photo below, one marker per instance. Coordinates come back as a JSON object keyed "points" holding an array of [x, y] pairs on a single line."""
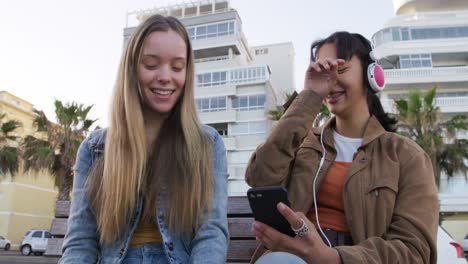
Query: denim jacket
{"points": [[81, 243]]}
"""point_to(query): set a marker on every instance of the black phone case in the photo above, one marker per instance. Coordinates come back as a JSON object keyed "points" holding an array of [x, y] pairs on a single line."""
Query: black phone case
{"points": [[263, 201]]}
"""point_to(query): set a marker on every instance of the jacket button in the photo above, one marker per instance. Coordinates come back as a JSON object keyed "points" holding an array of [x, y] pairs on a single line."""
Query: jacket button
{"points": [[171, 246]]}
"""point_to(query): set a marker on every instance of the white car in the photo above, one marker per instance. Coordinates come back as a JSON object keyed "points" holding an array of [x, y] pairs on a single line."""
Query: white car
{"points": [[448, 250], [465, 244], [5, 243], [35, 241]]}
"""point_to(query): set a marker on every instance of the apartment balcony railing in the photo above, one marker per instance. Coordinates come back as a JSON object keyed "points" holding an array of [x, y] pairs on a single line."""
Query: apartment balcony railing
{"points": [[217, 58], [249, 74], [422, 75], [446, 104], [240, 75], [218, 117]]}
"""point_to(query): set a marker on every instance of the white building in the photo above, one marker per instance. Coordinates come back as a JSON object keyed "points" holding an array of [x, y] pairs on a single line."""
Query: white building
{"points": [[236, 84], [426, 45]]}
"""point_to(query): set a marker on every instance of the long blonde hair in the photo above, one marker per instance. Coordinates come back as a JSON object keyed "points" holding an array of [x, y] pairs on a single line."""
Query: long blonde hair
{"points": [[181, 160]]}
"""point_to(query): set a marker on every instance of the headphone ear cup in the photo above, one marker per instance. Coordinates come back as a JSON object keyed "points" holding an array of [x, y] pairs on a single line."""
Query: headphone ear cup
{"points": [[376, 77]]}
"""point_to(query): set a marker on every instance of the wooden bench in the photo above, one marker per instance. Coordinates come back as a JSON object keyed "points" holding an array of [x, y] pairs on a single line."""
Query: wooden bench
{"points": [[242, 243]]}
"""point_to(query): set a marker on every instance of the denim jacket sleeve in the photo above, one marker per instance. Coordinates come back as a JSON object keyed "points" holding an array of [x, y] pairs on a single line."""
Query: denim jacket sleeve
{"points": [[81, 240], [211, 239]]}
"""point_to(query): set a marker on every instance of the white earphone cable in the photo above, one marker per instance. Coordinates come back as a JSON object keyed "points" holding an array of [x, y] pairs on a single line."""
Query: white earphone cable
{"points": [[322, 160]]}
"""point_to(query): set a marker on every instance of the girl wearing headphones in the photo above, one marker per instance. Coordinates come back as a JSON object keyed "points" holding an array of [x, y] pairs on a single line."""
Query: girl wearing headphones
{"points": [[359, 192]]}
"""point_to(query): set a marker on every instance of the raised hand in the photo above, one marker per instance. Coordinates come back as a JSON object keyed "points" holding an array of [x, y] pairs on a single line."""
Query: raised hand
{"points": [[321, 75]]}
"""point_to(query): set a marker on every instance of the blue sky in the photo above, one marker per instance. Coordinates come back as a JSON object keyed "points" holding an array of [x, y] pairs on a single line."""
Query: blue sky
{"points": [[70, 49]]}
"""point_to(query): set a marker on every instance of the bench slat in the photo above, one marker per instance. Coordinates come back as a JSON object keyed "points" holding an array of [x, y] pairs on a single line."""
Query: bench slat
{"points": [[54, 247], [239, 228], [237, 205], [62, 209], [59, 227], [241, 250]]}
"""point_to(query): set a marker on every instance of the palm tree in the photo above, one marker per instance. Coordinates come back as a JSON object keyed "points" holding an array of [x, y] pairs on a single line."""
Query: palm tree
{"points": [[422, 121], [57, 152], [276, 114], [8, 150]]}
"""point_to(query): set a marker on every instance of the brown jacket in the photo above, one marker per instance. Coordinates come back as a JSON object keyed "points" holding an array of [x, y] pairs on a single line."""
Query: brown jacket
{"points": [[390, 197]]}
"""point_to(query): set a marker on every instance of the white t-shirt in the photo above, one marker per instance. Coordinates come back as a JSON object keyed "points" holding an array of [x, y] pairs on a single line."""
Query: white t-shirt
{"points": [[345, 147]]}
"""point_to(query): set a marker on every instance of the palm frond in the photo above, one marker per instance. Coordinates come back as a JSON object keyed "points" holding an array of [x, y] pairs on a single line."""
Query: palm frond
{"points": [[421, 120]]}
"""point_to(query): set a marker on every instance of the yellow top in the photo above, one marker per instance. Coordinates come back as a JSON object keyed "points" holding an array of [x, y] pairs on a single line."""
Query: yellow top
{"points": [[145, 233]]}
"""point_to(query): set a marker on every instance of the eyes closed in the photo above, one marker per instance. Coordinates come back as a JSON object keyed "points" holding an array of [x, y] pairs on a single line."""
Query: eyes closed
{"points": [[342, 70], [152, 63]]}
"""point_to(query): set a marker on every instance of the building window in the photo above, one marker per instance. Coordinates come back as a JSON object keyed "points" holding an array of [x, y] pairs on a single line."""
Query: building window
{"points": [[438, 95], [415, 61], [452, 94], [249, 102], [222, 128], [212, 78], [248, 74], [211, 104], [403, 34], [261, 51], [211, 30], [249, 128], [439, 33]]}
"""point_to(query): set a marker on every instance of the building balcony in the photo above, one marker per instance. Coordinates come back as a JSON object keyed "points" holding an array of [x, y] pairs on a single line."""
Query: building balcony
{"points": [[453, 202], [216, 46], [427, 75], [212, 91], [222, 58], [217, 117], [229, 143], [216, 62], [253, 114], [446, 104], [432, 46], [232, 77]]}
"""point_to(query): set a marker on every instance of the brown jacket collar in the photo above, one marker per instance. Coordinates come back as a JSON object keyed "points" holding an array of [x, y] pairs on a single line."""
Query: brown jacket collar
{"points": [[372, 131]]}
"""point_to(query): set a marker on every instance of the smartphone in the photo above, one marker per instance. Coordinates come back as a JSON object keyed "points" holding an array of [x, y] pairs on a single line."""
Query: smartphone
{"points": [[263, 201]]}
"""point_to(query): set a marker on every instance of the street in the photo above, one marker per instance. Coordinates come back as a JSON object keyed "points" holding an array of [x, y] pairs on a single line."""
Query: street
{"points": [[14, 256]]}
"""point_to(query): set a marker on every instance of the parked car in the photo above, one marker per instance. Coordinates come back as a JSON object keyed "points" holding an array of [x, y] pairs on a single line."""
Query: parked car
{"points": [[34, 241], [448, 250], [5, 243], [465, 244]]}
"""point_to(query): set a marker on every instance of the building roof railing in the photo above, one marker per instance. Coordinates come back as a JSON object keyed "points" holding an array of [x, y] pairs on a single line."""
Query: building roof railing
{"points": [[180, 10]]}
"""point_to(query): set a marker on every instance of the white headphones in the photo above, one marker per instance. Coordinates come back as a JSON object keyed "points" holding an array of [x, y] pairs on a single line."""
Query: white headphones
{"points": [[375, 75]]}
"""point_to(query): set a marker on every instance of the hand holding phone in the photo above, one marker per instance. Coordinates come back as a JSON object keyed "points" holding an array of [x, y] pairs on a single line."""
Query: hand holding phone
{"points": [[263, 201]]}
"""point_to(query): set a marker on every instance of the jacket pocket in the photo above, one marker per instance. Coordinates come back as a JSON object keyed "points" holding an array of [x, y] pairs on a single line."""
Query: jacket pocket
{"points": [[380, 200]]}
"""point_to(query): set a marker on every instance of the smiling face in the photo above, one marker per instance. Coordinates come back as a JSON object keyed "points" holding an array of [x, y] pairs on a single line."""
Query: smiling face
{"points": [[162, 71], [348, 97]]}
